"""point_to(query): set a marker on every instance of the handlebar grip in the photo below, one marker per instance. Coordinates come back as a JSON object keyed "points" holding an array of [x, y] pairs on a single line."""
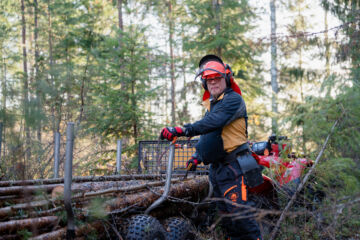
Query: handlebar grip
{"points": [[189, 166], [174, 140]]}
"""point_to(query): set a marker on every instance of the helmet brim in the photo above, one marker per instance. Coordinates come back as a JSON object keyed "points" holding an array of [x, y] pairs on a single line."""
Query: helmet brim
{"points": [[210, 74]]}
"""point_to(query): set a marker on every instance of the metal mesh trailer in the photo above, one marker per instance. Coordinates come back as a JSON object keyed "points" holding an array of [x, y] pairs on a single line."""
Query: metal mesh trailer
{"points": [[153, 156]]}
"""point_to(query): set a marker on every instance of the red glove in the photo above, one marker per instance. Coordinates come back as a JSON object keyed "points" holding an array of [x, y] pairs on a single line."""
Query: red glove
{"points": [[169, 133], [192, 164]]}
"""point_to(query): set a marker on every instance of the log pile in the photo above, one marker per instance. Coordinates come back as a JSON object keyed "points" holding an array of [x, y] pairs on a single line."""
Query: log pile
{"points": [[36, 208]]}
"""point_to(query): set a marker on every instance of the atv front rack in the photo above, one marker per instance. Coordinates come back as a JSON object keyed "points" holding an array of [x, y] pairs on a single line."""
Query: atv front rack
{"points": [[154, 155]]}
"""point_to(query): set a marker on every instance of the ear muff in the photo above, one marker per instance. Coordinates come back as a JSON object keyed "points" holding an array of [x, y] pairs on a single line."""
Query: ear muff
{"points": [[228, 75], [203, 82]]}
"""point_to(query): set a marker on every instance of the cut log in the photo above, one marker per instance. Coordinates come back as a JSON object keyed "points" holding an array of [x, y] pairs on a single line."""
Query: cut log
{"points": [[85, 179], [8, 211], [187, 188], [83, 187], [20, 190], [144, 199], [61, 233], [55, 235], [9, 237], [131, 186], [36, 223], [126, 189]]}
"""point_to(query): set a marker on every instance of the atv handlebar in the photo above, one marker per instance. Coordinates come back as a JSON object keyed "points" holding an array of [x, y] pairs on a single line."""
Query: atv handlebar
{"points": [[273, 138]]}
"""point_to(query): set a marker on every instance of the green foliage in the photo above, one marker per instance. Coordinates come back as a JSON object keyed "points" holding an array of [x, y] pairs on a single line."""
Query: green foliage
{"points": [[119, 100], [219, 28], [97, 208], [339, 174], [24, 234]]}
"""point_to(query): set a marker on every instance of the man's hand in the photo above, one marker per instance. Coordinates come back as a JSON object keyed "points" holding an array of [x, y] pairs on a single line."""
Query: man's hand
{"points": [[169, 133], [192, 164]]}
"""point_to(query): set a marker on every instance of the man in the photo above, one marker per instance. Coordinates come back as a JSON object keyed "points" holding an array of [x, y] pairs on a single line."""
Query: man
{"points": [[223, 144]]}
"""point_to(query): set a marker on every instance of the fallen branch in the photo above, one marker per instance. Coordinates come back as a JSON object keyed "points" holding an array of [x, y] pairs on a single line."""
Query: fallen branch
{"points": [[300, 187]]}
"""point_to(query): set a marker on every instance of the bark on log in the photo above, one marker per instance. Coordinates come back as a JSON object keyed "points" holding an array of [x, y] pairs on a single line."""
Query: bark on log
{"points": [[9, 237], [61, 233], [125, 189], [86, 186], [144, 199], [7, 211], [18, 190], [29, 223], [34, 214], [85, 179], [55, 235], [186, 188], [131, 186]]}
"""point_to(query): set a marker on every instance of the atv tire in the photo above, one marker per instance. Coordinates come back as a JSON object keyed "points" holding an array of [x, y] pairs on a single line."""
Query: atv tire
{"points": [[178, 229], [145, 227]]}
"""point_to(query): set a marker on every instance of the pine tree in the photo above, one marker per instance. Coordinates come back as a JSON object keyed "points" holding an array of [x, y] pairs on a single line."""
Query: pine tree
{"points": [[219, 27], [296, 75]]}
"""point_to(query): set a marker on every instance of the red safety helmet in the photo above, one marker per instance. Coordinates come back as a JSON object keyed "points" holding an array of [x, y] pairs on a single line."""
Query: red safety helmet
{"points": [[213, 69], [212, 66]]}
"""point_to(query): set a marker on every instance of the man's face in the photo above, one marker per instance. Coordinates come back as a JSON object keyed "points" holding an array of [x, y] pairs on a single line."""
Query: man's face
{"points": [[216, 85]]}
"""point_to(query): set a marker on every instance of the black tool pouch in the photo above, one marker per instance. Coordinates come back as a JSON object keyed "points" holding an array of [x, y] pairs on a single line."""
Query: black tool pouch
{"points": [[211, 147], [250, 169]]}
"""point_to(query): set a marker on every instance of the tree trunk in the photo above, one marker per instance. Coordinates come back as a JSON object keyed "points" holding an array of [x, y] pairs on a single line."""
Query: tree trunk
{"points": [[120, 39], [216, 8], [37, 86], [83, 91], [4, 95], [37, 80], [120, 20], [302, 97], [172, 64], [25, 89], [51, 63], [135, 129], [327, 45], [274, 83]]}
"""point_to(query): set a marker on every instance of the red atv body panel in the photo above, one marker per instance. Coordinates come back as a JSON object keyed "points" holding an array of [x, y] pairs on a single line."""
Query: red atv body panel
{"points": [[285, 171]]}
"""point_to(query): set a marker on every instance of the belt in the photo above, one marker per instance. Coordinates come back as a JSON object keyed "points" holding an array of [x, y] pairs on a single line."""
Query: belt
{"points": [[241, 150]]}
